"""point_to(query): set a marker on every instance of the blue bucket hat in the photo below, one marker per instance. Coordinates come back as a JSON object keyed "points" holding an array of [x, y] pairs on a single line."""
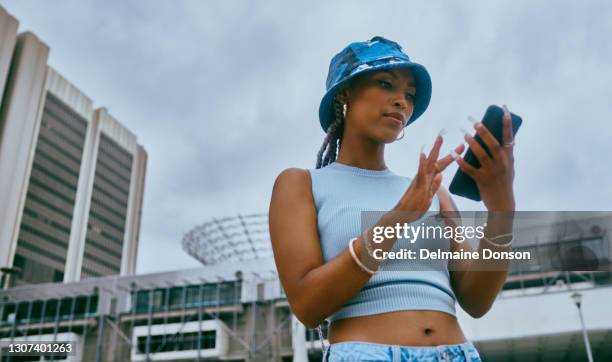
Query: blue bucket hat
{"points": [[377, 53]]}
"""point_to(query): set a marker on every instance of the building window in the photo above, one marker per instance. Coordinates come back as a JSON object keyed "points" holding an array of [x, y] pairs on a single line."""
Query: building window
{"points": [[58, 276], [176, 342]]}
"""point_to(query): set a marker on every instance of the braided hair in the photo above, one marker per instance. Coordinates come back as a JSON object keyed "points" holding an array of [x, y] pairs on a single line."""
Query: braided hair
{"points": [[333, 139]]}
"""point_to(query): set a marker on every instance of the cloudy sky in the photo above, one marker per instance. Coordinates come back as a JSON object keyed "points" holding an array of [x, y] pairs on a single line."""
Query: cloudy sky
{"points": [[224, 94]]}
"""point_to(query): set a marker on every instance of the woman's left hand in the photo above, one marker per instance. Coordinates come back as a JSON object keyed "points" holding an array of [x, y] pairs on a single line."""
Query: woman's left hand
{"points": [[495, 176]]}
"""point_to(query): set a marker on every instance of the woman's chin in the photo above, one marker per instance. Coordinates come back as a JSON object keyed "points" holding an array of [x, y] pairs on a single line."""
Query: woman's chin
{"points": [[386, 135], [390, 137]]}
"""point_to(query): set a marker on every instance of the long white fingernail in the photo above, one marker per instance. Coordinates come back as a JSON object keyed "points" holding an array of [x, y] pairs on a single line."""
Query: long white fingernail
{"points": [[472, 120], [442, 132], [422, 148], [506, 110], [454, 155], [464, 131]]}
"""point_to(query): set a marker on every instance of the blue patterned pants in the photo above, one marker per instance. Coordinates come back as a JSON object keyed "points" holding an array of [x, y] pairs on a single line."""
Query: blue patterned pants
{"points": [[365, 351]]}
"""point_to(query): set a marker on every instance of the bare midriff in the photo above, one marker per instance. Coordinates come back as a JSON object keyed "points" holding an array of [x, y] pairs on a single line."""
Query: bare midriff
{"points": [[404, 328]]}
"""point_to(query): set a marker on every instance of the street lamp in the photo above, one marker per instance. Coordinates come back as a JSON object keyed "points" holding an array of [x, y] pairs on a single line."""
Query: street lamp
{"points": [[577, 298]]}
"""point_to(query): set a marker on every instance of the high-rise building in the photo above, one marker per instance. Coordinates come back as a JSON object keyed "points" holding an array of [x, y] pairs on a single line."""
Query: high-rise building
{"points": [[71, 176]]}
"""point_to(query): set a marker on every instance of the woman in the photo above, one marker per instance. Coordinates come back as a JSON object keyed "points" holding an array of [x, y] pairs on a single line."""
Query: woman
{"points": [[324, 261]]}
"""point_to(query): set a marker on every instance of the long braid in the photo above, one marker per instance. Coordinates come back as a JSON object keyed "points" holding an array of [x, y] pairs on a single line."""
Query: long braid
{"points": [[333, 139]]}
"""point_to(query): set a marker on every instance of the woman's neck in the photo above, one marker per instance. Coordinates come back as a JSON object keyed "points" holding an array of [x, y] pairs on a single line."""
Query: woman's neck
{"points": [[363, 154]]}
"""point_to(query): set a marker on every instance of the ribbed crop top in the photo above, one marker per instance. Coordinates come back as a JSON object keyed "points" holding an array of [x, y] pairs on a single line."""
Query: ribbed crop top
{"points": [[340, 193]]}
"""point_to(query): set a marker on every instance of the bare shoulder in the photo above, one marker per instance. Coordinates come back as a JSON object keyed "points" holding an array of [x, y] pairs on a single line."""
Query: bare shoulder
{"points": [[292, 188], [293, 227], [292, 179]]}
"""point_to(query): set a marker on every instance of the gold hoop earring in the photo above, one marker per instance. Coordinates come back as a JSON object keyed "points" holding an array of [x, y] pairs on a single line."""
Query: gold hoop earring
{"points": [[397, 139], [344, 107]]}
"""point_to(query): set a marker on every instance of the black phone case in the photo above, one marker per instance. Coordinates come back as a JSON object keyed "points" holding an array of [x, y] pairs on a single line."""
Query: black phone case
{"points": [[464, 185]]}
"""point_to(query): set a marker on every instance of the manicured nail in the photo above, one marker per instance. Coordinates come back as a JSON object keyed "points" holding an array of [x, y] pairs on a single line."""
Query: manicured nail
{"points": [[464, 131], [472, 119], [506, 111], [454, 155], [422, 148], [442, 132]]}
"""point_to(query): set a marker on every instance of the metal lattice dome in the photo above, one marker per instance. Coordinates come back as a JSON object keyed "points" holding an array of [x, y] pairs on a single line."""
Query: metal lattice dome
{"points": [[229, 239]]}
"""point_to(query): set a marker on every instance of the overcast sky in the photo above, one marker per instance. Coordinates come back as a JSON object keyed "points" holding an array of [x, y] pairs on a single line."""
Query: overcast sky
{"points": [[224, 94]]}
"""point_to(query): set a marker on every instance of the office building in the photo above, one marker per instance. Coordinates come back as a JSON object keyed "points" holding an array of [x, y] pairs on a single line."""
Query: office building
{"points": [[71, 176]]}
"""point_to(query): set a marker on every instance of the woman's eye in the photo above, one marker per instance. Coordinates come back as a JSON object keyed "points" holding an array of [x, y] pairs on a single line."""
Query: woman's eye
{"points": [[385, 83], [410, 95]]}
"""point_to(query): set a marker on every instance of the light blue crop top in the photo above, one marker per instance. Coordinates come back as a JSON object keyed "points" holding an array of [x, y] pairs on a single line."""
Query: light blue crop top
{"points": [[340, 193]]}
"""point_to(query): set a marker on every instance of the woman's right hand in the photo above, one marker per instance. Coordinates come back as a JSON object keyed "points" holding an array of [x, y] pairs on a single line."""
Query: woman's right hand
{"points": [[419, 195]]}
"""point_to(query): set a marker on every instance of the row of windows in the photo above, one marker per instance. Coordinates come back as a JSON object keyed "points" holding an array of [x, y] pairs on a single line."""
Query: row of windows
{"points": [[56, 163], [93, 266], [110, 146], [73, 122], [98, 189], [66, 143], [114, 252], [49, 310], [110, 237], [61, 149], [52, 191], [54, 224], [43, 253], [32, 271], [106, 205], [103, 220], [45, 203], [108, 154], [55, 177], [191, 296], [12, 358], [122, 183], [177, 342], [114, 268], [94, 228], [41, 234], [79, 125], [89, 273]]}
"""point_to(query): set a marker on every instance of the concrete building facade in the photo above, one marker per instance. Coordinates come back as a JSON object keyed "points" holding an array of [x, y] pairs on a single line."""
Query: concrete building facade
{"points": [[71, 176]]}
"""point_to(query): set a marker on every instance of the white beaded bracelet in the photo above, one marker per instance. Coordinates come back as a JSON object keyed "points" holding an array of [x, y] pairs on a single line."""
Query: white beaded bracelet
{"points": [[354, 255]]}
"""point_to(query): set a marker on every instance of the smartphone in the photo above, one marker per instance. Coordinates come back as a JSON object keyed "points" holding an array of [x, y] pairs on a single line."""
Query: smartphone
{"points": [[464, 185]]}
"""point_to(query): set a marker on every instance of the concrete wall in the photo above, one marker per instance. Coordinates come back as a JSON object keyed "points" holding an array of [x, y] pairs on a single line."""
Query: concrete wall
{"points": [[20, 121]]}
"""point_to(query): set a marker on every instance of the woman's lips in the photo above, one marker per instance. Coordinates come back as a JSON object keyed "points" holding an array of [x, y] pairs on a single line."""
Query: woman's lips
{"points": [[399, 117], [395, 120]]}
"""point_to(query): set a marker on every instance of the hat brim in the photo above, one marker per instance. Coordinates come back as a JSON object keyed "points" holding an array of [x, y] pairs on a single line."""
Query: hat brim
{"points": [[421, 102]]}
